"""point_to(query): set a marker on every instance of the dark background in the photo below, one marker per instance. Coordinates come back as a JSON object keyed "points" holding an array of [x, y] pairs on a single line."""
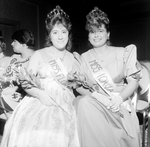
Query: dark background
{"points": [[129, 21]]}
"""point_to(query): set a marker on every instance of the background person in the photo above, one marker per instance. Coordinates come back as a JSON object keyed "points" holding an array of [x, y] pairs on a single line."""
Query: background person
{"points": [[23, 46]]}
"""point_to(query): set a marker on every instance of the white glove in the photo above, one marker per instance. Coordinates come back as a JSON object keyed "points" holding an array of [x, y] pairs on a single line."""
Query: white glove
{"points": [[116, 101]]}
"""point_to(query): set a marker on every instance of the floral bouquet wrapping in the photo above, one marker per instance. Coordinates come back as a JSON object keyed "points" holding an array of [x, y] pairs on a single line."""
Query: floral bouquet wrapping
{"points": [[77, 79], [28, 81]]}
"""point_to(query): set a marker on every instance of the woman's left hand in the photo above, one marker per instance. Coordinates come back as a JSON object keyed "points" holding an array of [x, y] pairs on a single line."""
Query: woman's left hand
{"points": [[116, 101]]}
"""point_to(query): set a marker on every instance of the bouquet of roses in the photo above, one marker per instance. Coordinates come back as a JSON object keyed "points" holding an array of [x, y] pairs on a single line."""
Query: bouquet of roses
{"points": [[28, 80], [77, 79]]}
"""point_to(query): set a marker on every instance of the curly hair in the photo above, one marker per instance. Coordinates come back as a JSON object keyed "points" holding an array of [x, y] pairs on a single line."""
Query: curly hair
{"points": [[58, 16], [96, 18], [24, 36]]}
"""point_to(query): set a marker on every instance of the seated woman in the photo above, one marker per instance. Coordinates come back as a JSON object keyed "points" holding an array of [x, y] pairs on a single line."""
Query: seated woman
{"points": [[23, 44], [105, 116], [46, 116]]}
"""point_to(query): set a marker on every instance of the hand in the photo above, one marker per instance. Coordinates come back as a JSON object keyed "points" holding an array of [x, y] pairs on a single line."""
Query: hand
{"points": [[116, 101], [45, 99], [102, 98]]}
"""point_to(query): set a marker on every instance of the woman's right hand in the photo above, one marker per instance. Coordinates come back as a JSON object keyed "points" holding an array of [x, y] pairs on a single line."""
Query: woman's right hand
{"points": [[45, 99]]}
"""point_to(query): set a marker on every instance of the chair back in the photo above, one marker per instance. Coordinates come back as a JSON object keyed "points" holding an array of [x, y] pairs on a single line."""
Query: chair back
{"points": [[144, 82], [143, 92]]}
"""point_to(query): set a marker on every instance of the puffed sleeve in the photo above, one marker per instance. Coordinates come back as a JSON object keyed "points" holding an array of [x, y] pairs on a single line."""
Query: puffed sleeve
{"points": [[132, 66]]}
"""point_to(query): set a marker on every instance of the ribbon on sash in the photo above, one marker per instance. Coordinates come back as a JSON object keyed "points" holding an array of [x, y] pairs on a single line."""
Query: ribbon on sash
{"points": [[59, 70]]}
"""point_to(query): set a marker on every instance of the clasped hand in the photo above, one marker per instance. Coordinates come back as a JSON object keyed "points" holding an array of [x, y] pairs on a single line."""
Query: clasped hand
{"points": [[116, 101], [112, 103]]}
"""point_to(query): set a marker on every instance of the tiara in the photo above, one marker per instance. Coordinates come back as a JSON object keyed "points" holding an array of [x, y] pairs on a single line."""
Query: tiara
{"points": [[96, 14], [57, 11]]}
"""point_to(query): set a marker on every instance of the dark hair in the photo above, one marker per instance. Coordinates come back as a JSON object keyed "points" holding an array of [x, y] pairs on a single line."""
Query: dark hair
{"points": [[2, 45], [24, 36], [58, 16], [96, 18]]}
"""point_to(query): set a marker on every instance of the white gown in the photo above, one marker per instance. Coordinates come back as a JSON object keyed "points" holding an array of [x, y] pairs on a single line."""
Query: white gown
{"points": [[33, 124]]}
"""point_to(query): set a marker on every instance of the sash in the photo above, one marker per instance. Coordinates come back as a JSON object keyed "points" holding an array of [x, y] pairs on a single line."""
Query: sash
{"points": [[99, 73], [59, 70]]}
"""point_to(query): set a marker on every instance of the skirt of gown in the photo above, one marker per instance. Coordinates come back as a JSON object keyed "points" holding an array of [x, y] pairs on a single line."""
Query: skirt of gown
{"points": [[99, 127], [33, 124]]}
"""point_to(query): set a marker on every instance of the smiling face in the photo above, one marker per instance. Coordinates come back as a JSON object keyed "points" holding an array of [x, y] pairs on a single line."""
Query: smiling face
{"points": [[98, 36], [59, 36]]}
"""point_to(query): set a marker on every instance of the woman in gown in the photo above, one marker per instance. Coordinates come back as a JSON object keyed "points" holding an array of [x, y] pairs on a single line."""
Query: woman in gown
{"points": [[23, 47], [46, 117], [105, 116]]}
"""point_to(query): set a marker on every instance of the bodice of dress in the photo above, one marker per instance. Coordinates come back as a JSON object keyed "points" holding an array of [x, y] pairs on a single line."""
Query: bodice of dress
{"points": [[58, 92], [45, 71], [119, 62]]}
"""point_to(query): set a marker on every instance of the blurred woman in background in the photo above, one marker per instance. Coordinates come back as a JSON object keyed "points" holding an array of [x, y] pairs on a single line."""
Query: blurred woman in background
{"points": [[23, 46]]}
